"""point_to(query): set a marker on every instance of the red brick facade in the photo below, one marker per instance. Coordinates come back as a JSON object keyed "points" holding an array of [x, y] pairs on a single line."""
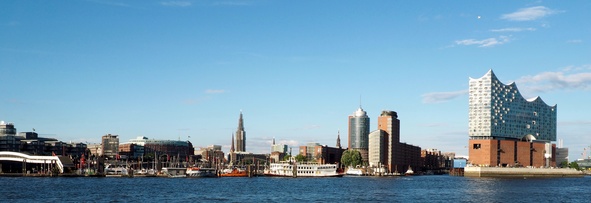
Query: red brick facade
{"points": [[509, 153]]}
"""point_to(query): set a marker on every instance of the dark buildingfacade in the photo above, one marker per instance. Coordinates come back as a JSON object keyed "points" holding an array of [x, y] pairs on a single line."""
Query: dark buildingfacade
{"points": [[110, 145]]}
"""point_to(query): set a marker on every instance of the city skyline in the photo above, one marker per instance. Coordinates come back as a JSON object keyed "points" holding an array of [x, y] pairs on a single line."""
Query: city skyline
{"points": [[78, 70]]}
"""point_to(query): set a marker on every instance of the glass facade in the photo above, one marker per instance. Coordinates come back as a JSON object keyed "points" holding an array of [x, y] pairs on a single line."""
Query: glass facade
{"points": [[500, 111], [359, 129]]}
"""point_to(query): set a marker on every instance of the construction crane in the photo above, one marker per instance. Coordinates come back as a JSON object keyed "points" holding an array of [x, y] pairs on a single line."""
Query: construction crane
{"points": [[584, 154]]}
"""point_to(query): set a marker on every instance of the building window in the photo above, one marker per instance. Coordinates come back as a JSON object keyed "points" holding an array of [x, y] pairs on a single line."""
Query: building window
{"points": [[476, 146]]}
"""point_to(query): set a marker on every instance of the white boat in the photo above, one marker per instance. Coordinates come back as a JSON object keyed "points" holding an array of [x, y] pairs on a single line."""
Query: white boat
{"points": [[145, 172], [115, 170], [409, 172], [197, 172], [354, 171], [285, 169], [175, 172]]}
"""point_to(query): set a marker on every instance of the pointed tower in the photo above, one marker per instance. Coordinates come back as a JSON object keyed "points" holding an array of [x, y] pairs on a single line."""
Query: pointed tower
{"points": [[339, 139], [232, 147], [240, 135]]}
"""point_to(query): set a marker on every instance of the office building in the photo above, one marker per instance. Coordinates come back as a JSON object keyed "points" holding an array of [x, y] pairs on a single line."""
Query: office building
{"points": [[506, 129], [179, 149], [378, 148], [359, 133], [110, 146]]}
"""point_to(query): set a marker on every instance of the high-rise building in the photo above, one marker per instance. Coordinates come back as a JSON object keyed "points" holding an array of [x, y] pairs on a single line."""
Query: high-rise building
{"points": [[388, 122], [240, 136], [377, 151], [110, 145], [506, 129], [359, 133]]}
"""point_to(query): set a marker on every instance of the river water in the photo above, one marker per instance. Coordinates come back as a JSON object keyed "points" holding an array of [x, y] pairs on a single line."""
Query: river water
{"points": [[267, 189]]}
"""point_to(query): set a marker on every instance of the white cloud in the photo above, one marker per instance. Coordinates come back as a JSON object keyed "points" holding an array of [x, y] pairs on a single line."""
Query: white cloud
{"points": [[514, 29], [485, 42], [528, 14], [212, 91], [176, 3], [440, 97], [570, 78]]}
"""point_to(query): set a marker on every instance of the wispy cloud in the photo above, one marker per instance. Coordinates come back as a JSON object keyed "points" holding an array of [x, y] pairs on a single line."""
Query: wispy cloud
{"points": [[110, 3], [262, 145], [434, 125], [574, 41], [176, 3], [440, 97], [514, 29], [308, 127], [570, 78], [575, 123], [489, 42], [214, 91], [232, 3], [528, 14], [11, 23]]}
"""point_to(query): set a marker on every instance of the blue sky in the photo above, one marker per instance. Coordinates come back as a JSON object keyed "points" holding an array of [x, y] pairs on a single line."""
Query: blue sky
{"points": [[79, 69]]}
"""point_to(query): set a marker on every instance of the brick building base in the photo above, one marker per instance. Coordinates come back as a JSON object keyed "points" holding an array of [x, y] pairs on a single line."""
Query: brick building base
{"points": [[509, 153]]}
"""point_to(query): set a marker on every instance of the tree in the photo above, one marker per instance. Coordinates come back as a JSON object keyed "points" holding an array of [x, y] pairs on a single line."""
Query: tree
{"points": [[574, 165], [346, 158], [356, 159], [286, 157], [351, 158], [563, 164], [300, 158]]}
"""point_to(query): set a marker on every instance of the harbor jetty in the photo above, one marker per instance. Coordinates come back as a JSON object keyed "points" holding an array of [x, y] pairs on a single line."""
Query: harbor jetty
{"points": [[507, 172]]}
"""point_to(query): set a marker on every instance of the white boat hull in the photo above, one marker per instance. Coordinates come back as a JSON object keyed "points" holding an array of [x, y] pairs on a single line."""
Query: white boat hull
{"points": [[302, 170]]}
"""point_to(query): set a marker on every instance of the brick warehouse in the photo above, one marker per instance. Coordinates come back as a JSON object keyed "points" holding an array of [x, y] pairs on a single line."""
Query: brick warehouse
{"points": [[509, 153]]}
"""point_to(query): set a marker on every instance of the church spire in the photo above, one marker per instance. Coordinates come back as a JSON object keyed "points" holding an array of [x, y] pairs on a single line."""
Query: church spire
{"points": [[240, 135], [339, 139], [232, 147]]}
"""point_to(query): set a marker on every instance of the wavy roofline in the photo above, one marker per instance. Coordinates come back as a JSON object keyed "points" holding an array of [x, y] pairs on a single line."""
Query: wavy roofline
{"points": [[536, 99]]}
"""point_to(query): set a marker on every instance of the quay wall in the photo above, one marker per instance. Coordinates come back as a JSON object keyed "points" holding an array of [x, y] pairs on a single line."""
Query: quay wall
{"points": [[521, 172]]}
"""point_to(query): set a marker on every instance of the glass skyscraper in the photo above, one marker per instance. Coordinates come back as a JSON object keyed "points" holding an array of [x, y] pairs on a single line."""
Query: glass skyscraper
{"points": [[359, 132]]}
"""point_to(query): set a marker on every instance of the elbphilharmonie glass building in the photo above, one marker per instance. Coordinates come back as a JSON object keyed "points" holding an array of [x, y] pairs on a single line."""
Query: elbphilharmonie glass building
{"points": [[499, 111]]}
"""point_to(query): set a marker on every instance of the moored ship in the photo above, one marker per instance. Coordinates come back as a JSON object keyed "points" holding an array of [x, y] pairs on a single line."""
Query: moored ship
{"points": [[285, 169], [409, 172], [197, 172], [235, 172]]}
